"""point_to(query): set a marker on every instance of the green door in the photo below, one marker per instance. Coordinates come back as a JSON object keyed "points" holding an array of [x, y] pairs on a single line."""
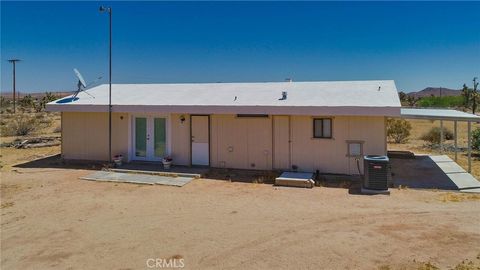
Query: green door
{"points": [[150, 142], [160, 138], [140, 137]]}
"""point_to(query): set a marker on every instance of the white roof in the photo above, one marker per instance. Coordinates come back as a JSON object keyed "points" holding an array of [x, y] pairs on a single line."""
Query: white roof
{"points": [[438, 114], [308, 98]]}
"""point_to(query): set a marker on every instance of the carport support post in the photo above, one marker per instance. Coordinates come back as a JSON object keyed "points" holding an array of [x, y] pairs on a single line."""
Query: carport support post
{"points": [[456, 143], [469, 143], [441, 136]]}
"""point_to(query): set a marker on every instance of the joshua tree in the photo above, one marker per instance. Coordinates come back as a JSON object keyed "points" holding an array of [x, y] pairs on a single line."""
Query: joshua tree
{"points": [[466, 95], [49, 97], [471, 96], [475, 95]]}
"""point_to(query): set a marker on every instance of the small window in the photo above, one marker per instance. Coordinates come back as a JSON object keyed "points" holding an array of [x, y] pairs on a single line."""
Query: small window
{"points": [[322, 128], [355, 148]]}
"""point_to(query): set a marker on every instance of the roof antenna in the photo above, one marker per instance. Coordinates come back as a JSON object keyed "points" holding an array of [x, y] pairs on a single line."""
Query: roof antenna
{"points": [[235, 98], [379, 88]]}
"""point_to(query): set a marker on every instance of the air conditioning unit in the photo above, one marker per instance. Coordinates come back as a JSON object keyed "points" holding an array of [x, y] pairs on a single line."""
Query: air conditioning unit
{"points": [[376, 172]]}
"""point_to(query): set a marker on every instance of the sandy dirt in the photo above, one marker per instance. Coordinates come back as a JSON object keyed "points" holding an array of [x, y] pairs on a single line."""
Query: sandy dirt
{"points": [[52, 219]]}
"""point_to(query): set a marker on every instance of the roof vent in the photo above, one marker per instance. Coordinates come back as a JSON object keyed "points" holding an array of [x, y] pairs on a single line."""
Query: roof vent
{"points": [[284, 96]]}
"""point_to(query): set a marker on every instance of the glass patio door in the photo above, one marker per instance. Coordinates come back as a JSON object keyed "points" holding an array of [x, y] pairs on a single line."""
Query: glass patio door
{"points": [[150, 138]]}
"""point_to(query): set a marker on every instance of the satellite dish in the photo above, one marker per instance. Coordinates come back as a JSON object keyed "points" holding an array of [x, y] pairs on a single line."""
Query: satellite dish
{"points": [[79, 77], [81, 84]]}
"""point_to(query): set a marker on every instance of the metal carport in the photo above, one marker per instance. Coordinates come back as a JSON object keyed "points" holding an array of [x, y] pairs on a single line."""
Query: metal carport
{"points": [[445, 115]]}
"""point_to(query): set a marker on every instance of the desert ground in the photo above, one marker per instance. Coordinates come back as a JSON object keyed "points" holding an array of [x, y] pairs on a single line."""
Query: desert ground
{"points": [[52, 219]]}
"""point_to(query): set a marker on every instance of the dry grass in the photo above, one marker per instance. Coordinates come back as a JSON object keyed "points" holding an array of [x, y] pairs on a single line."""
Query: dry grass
{"points": [[47, 124], [419, 265], [459, 197], [418, 146], [39, 123], [11, 156], [6, 204]]}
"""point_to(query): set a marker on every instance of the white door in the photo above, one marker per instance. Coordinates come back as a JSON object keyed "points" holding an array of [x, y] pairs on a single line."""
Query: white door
{"points": [[150, 138], [200, 140]]}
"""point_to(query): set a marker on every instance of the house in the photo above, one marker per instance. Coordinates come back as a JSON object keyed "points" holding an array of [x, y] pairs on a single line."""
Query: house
{"points": [[310, 126]]}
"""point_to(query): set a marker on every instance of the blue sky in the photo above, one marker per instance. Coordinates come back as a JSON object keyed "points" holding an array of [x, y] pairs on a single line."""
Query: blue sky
{"points": [[417, 44]]}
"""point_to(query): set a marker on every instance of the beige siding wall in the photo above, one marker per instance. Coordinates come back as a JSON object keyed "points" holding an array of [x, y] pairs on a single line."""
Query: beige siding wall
{"points": [[180, 139], [241, 142], [244, 143], [329, 155], [85, 135]]}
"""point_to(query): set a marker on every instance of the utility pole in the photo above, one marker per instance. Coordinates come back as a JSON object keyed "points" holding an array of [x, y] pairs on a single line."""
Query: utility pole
{"points": [[109, 11], [14, 61]]}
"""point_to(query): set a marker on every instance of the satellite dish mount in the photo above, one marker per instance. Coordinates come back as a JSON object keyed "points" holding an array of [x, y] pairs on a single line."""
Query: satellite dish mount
{"points": [[81, 85]]}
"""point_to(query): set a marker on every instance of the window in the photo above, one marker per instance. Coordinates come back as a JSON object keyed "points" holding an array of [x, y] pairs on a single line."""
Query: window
{"points": [[355, 148], [322, 128]]}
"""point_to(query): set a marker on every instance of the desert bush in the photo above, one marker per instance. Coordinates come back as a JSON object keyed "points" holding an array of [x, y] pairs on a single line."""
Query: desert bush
{"points": [[433, 135], [398, 130], [476, 139], [26, 102], [21, 125]]}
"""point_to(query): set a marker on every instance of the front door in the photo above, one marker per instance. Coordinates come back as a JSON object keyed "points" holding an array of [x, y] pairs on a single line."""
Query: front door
{"points": [[150, 138], [200, 140]]}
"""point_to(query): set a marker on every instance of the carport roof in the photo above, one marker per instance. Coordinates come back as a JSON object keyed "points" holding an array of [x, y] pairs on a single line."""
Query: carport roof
{"points": [[438, 114]]}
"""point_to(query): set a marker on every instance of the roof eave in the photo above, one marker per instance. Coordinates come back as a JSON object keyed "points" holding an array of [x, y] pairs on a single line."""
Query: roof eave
{"points": [[392, 111]]}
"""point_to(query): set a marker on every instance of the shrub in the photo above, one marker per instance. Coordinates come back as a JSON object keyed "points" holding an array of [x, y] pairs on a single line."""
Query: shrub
{"points": [[26, 102], [433, 135], [21, 125], [398, 130], [444, 102], [476, 139]]}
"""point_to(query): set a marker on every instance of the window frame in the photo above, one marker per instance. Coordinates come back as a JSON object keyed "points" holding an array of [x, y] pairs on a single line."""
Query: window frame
{"points": [[314, 127], [361, 143]]}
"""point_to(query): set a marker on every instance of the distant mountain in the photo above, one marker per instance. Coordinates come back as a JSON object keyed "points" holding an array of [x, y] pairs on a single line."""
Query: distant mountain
{"points": [[435, 91]]}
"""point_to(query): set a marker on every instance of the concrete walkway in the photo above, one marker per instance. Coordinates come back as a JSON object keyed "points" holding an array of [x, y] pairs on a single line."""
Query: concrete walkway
{"points": [[138, 178], [434, 172], [462, 179]]}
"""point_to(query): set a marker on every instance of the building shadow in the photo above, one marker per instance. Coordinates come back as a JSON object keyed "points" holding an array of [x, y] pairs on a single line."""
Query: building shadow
{"points": [[243, 176], [420, 172], [57, 162]]}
